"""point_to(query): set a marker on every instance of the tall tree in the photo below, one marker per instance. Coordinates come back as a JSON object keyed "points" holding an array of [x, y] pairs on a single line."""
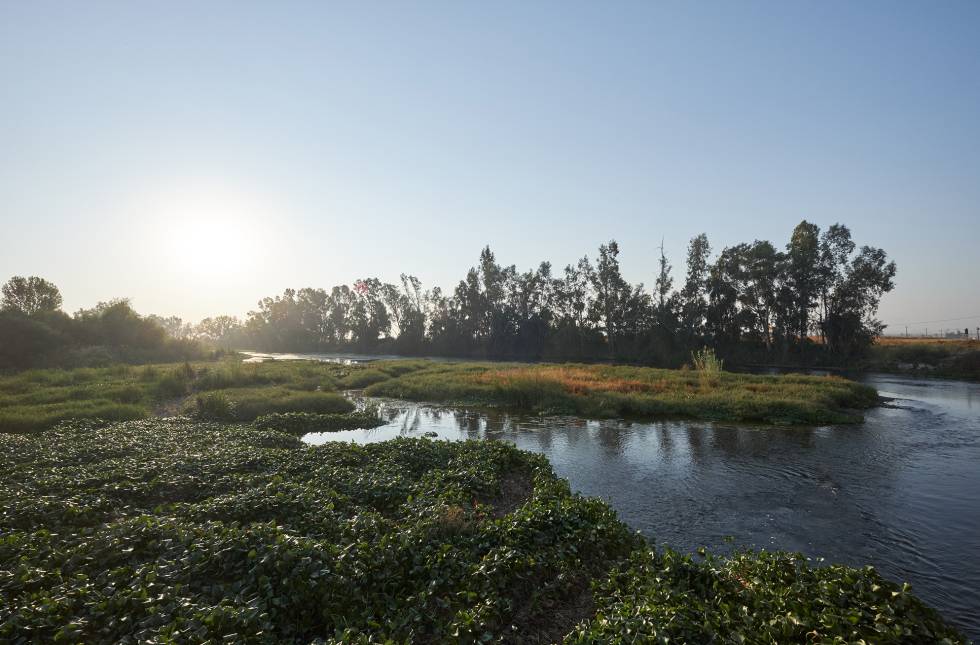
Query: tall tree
{"points": [[693, 302], [804, 275], [30, 296]]}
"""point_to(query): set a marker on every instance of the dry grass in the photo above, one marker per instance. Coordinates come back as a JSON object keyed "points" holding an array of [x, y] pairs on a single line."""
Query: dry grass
{"points": [[964, 343]]}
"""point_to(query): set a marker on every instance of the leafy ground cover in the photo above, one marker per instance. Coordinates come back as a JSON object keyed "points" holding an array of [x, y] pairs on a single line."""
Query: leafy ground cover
{"points": [[180, 531], [609, 391]]}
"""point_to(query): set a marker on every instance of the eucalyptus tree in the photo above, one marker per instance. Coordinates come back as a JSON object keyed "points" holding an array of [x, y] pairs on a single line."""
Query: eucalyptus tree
{"points": [[693, 301], [805, 277]]}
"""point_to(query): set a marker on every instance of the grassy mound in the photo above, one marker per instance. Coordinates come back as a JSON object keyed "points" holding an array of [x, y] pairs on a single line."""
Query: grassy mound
{"points": [[247, 404], [34, 400], [604, 391], [175, 531]]}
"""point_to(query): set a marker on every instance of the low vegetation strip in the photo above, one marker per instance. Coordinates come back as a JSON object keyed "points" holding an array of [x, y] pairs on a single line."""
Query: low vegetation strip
{"points": [[606, 390], [181, 531], [34, 400]]}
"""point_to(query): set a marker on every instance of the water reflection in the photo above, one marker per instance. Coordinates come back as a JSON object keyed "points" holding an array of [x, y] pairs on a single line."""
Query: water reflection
{"points": [[898, 491]]}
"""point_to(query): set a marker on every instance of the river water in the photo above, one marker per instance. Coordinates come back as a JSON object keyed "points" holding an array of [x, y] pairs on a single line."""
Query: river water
{"points": [[900, 491]]}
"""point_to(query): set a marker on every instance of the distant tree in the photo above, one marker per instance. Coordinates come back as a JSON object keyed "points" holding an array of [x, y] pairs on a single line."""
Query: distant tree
{"points": [[30, 296], [620, 309], [217, 329], [805, 278], [693, 300], [173, 325]]}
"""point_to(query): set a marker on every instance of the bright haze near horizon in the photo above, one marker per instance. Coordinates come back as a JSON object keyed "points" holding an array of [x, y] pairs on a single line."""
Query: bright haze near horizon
{"points": [[196, 157]]}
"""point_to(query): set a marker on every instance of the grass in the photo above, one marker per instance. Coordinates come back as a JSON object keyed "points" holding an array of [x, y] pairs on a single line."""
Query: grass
{"points": [[35, 400], [180, 531], [230, 390], [614, 391], [247, 404]]}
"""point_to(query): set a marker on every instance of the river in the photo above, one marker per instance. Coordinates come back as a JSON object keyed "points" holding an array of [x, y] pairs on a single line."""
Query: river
{"points": [[900, 491]]}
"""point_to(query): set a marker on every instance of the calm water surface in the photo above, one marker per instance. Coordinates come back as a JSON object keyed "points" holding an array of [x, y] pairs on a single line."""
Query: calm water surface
{"points": [[901, 491]]}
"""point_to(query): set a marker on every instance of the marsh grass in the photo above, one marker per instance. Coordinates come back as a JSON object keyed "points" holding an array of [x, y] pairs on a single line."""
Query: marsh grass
{"points": [[247, 404], [34, 400], [611, 391]]}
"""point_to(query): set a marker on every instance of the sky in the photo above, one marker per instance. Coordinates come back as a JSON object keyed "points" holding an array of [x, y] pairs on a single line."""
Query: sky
{"points": [[196, 157]]}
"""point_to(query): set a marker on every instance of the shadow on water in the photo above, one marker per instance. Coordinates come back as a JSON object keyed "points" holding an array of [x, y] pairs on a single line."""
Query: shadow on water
{"points": [[901, 491]]}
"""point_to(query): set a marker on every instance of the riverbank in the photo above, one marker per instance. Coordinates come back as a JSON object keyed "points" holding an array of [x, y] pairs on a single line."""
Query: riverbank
{"points": [[231, 390], [179, 530], [620, 391]]}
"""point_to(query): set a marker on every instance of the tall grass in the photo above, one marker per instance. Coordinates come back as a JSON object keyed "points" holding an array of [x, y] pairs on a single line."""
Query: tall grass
{"points": [[607, 391]]}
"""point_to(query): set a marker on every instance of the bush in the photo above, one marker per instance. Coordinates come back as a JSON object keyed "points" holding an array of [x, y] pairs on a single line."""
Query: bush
{"points": [[214, 406]]}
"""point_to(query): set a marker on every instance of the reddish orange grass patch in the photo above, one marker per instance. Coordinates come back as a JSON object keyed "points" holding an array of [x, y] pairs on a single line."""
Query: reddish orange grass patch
{"points": [[575, 380]]}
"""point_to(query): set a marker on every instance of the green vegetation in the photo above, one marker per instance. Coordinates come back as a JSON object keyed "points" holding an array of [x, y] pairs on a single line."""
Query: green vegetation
{"points": [[754, 597], [246, 404], [232, 391], [181, 531], [300, 423], [957, 359], [610, 391], [34, 400]]}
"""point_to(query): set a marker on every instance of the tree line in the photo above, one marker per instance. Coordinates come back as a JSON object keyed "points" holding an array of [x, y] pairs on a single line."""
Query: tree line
{"points": [[813, 302]]}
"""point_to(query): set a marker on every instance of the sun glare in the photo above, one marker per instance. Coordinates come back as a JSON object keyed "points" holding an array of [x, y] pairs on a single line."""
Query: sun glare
{"points": [[208, 239]]}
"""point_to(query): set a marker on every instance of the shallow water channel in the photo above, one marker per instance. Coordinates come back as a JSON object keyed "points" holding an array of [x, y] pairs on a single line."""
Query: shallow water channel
{"points": [[900, 491]]}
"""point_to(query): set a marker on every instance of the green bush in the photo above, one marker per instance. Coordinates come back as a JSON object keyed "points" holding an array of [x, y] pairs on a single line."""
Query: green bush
{"points": [[213, 406]]}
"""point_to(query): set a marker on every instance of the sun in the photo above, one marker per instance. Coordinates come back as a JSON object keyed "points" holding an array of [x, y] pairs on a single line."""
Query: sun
{"points": [[211, 239]]}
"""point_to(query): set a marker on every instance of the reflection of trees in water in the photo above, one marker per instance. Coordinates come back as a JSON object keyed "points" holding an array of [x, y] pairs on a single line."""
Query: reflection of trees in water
{"points": [[665, 437], [469, 424], [612, 436], [411, 421]]}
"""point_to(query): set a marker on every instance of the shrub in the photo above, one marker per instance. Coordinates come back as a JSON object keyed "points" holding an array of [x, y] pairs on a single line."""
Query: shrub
{"points": [[214, 406]]}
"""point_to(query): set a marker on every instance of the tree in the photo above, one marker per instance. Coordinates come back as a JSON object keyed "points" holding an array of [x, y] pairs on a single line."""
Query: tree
{"points": [[30, 296], [804, 275], [662, 287], [692, 297], [850, 324], [620, 308]]}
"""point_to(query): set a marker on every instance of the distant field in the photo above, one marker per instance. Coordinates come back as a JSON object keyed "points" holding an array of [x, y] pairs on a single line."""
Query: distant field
{"points": [[965, 343], [944, 357]]}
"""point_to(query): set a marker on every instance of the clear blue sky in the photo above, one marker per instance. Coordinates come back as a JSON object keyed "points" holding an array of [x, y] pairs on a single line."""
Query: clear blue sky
{"points": [[199, 156]]}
